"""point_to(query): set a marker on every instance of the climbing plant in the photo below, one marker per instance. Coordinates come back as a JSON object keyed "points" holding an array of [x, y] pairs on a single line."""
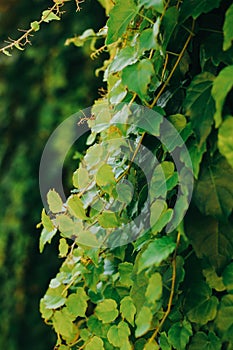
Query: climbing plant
{"points": [[155, 282]]}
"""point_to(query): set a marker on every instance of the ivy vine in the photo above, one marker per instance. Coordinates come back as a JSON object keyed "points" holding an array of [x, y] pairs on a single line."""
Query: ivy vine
{"points": [[164, 289]]}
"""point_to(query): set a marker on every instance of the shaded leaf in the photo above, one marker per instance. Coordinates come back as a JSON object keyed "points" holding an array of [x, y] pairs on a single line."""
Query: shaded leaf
{"points": [[223, 320], [199, 105], [125, 270], [195, 8], [204, 341], [157, 5], [228, 278]]}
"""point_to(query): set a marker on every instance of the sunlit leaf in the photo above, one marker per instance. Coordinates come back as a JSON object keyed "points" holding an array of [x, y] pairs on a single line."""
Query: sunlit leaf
{"points": [[54, 201], [227, 28]]}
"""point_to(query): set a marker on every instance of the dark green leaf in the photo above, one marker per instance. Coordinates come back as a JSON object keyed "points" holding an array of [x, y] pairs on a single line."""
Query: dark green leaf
{"points": [[199, 105], [213, 194], [228, 277], [195, 8], [179, 334], [137, 77], [125, 270], [168, 25], [204, 341], [119, 18], [225, 311]]}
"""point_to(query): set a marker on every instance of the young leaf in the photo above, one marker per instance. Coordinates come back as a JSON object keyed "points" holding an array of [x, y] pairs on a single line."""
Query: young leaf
{"points": [[35, 26], [179, 334], [48, 16], [63, 248], [137, 77], [119, 18], [77, 303], [155, 288], [225, 144], [105, 176], [46, 221], [54, 201], [95, 343], [156, 252], [108, 219], [119, 334], [221, 87], [75, 206], [106, 310], [127, 309], [223, 320], [227, 28], [143, 321], [199, 105]]}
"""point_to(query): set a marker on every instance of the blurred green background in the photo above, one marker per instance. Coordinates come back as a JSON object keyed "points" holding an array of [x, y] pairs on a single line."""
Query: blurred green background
{"points": [[39, 88]]}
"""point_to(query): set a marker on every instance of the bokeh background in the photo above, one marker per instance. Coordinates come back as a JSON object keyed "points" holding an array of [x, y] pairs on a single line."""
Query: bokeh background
{"points": [[39, 88]]}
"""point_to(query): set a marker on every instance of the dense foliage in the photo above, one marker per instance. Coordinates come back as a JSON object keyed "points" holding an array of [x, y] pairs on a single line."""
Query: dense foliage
{"points": [[168, 289]]}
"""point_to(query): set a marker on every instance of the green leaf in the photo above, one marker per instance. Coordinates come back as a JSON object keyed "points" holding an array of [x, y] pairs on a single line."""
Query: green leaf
{"points": [[124, 192], [199, 105], [196, 153], [213, 280], [48, 16], [106, 310], [228, 278], [163, 180], [45, 313], [63, 248], [223, 320], [179, 334], [77, 303], [127, 309], [156, 252], [95, 343], [75, 207], [117, 92], [143, 321], [137, 77], [225, 143], [159, 216], [201, 306], [157, 5], [163, 341], [227, 28], [201, 229], [6, 52], [168, 25], [46, 221], [108, 219], [213, 194], [155, 288], [35, 26], [119, 18], [125, 270], [46, 237], [151, 346], [81, 178], [127, 56], [87, 239], [117, 335], [204, 341], [195, 8], [105, 176], [54, 301], [54, 201], [67, 226], [221, 87], [147, 40], [63, 325]]}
